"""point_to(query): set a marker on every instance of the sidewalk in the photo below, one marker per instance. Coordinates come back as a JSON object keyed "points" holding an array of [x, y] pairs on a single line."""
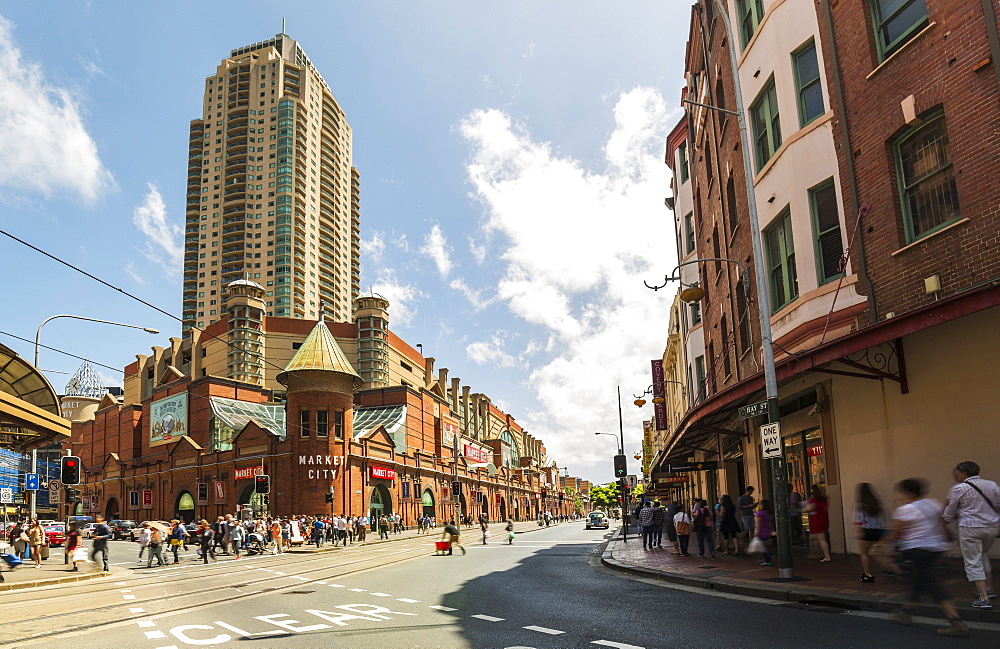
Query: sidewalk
{"points": [[834, 584], [496, 532], [53, 571]]}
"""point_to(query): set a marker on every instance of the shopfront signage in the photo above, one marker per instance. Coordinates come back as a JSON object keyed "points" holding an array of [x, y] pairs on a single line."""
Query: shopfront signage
{"points": [[186, 502], [692, 466], [249, 472], [659, 409], [815, 451], [475, 454], [673, 479], [381, 473], [770, 440], [220, 493], [147, 499], [427, 500]]}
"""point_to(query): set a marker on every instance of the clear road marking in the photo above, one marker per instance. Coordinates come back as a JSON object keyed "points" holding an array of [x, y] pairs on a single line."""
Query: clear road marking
{"points": [[119, 583], [299, 578], [381, 594], [278, 573], [336, 586], [124, 591], [321, 583], [146, 623], [128, 596], [155, 634], [137, 610], [408, 601], [444, 608], [616, 645], [542, 629], [488, 618], [173, 646], [356, 590]]}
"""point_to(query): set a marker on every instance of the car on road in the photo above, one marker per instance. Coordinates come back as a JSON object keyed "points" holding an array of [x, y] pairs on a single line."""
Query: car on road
{"points": [[55, 533], [598, 519], [121, 529], [88, 530]]}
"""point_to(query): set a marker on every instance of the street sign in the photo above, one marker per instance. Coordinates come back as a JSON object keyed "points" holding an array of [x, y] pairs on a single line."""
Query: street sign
{"points": [[693, 466], [770, 440], [31, 482], [54, 485], [674, 479], [753, 410], [6, 495], [55, 495], [633, 480]]}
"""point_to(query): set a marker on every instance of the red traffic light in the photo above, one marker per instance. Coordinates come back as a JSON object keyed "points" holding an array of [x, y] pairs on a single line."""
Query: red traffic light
{"points": [[70, 463]]}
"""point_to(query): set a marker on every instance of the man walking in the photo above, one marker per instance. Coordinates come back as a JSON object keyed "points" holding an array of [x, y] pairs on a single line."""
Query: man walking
{"points": [[745, 505], [101, 534], [974, 506], [657, 531], [646, 525]]}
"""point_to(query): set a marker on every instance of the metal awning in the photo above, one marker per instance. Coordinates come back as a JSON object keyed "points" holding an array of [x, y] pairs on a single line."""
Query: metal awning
{"points": [[29, 409], [392, 418], [236, 414]]}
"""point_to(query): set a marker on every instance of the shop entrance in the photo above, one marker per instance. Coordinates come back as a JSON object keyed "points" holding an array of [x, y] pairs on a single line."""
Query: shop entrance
{"points": [[184, 507], [379, 503], [503, 508], [805, 462], [111, 510], [427, 504], [251, 501]]}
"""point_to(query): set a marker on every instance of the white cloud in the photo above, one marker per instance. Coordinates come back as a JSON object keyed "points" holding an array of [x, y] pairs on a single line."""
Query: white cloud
{"points": [[436, 247], [164, 240], [134, 273], [490, 352], [574, 246], [475, 297], [402, 297], [373, 249], [44, 145]]}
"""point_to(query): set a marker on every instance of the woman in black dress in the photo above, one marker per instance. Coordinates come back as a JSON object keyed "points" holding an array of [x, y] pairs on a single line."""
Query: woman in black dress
{"points": [[729, 526]]}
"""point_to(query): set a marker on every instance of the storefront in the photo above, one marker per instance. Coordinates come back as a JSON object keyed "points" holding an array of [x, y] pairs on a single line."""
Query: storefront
{"points": [[427, 504]]}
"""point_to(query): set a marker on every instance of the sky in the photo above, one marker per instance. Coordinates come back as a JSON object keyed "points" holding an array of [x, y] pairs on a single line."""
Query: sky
{"points": [[512, 185]]}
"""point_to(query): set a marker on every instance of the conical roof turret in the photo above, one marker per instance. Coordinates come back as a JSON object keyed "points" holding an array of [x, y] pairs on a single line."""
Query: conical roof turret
{"points": [[319, 353]]}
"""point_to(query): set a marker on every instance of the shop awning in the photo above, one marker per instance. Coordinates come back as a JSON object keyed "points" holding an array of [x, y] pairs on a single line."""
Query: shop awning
{"points": [[392, 418], [29, 409], [236, 414]]}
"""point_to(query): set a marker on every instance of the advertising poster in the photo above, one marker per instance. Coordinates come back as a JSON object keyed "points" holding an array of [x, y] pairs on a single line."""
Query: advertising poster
{"points": [[168, 419]]}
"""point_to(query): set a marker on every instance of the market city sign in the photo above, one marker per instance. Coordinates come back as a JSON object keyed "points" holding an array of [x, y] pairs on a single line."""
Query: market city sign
{"points": [[381, 473], [332, 461]]}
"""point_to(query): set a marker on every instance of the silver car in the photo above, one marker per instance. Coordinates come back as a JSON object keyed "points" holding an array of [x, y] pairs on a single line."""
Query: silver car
{"points": [[598, 520]]}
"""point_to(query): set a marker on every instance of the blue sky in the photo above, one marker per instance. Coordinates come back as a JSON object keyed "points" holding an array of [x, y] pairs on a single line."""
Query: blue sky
{"points": [[512, 179]]}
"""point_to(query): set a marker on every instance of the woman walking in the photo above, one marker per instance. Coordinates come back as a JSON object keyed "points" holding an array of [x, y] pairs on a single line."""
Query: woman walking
{"points": [[682, 523], [484, 527], [922, 538], [177, 537], [36, 539], [870, 519], [819, 520], [510, 532], [763, 528], [206, 539], [729, 524], [702, 526], [72, 545]]}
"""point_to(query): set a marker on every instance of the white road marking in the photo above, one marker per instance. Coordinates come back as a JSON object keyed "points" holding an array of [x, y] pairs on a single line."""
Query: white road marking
{"points": [[381, 594], [336, 586], [119, 583], [616, 645], [356, 590], [278, 573], [155, 634], [146, 623], [124, 591], [542, 629], [488, 618], [299, 578], [444, 608], [128, 596], [323, 583], [408, 601], [137, 610], [173, 646]]}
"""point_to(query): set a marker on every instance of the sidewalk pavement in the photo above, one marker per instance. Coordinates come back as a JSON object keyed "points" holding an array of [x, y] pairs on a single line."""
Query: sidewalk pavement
{"points": [[837, 583]]}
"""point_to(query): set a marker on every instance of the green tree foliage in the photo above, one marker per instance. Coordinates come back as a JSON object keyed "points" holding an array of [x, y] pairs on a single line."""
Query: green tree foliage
{"points": [[604, 496]]}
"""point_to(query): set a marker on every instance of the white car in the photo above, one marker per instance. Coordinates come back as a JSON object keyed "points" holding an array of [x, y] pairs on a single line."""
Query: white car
{"points": [[597, 519], [88, 530]]}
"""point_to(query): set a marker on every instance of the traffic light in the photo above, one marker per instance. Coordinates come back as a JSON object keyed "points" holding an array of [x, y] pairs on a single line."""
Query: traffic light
{"points": [[329, 498], [69, 470], [560, 497], [545, 494], [262, 484], [456, 488], [621, 470]]}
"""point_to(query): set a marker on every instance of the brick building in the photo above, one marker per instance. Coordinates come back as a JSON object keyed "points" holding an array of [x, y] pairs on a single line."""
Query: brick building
{"points": [[872, 135]]}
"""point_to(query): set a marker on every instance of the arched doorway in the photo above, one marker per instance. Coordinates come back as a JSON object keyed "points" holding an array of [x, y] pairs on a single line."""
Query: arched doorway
{"points": [[503, 508], [184, 507], [463, 507], [379, 503], [427, 503], [111, 510], [251, 504]]}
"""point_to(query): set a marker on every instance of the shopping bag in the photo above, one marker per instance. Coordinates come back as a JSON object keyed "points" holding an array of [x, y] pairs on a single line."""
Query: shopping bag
{"points": [[756, 546], [79, 553], [45, 552]]}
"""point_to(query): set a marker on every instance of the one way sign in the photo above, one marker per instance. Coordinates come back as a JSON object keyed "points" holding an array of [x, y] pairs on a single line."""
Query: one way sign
{"points": [[770, 440]]}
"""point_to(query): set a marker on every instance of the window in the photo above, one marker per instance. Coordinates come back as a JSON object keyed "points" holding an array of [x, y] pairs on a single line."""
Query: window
{"points": [[810, 90], [305, 422], [766, 127], [926, 178], [699, 378], [732, 210], [750, 13], [742, 315], [689, 233], [683, 151], [826, 225], [338, 424], [322, 425], [724, 327], [781, 261], [695, 313], [896, 22]]}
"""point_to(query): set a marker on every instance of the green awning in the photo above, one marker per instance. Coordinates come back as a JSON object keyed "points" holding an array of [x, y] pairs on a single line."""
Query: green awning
{"points": [[393, 418], [236, 414]]}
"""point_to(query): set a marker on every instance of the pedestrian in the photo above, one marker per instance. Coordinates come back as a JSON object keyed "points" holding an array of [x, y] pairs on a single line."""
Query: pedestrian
{"points": [[143, 540], [795, 513], [717, 514], [702, 527], [668, 524], [100, 535], [319, 528], [974, 506], [730, 525], [363, 522], [452, 535], [645, 517], [682, 523], [36, 540], [819, 519], [206, 540], [18, 538], [237, 536], [921, 538], [746, 504], [870, 519], [155, 547], [764, 528], [484, 527], [73, 545], [383, 527], [276, 536], [658, 514], [342, 528], [510, 531], [177, 537]]}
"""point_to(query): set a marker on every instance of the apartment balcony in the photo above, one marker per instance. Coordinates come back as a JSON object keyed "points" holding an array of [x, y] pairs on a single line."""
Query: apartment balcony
{"points": [[232, 269]]}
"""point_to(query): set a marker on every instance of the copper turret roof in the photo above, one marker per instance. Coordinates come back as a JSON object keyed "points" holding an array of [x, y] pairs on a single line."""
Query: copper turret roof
{"points": [[320, 351]]}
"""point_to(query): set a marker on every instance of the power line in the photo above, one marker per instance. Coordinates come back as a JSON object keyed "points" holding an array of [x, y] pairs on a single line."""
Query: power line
{"points": [[115, 369]]}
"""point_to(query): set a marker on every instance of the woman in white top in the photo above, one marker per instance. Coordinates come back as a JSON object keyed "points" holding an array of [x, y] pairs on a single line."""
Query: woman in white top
{"points": [[682, 523], [921, 539]]}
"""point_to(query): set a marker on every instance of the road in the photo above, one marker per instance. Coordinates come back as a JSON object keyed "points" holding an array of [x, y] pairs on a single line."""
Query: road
{"points": [[546, 591]]}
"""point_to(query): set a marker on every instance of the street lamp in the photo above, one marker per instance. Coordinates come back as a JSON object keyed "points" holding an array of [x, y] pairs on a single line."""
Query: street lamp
{"points": [[640, 402], [779, 478], [38, 332]]}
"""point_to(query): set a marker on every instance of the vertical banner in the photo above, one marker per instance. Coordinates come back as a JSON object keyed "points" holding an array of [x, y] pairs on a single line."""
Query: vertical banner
{"points": [[659, 409], [147, 498], [220, 493]]}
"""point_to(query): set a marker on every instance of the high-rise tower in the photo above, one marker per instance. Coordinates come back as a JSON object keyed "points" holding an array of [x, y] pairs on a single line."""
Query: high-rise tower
{"points": [[271, 194]]}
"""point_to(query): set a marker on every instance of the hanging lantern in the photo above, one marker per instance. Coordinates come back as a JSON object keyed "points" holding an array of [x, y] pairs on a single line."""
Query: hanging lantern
{"points": [[640, 402]]}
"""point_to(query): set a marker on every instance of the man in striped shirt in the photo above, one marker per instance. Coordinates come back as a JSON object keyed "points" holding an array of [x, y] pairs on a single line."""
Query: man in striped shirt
{"points": [[974, 506]]}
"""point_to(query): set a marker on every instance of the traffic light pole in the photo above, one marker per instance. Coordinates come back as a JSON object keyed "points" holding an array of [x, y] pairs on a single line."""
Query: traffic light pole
{"points": [[621, 481]]}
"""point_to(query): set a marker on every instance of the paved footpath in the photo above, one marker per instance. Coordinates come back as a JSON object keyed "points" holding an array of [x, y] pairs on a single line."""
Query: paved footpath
{"points": [[835, 583]]}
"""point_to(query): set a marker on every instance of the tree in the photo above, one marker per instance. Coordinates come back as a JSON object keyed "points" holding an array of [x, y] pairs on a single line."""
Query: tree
{"points": [[605, 496]]}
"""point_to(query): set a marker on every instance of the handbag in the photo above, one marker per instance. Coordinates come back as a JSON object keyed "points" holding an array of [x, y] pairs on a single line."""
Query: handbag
{"points": [[756, 546], [683, 527]]}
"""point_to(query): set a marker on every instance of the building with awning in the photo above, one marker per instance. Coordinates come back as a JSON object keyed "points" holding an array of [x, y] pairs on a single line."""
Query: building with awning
{"points": [[29, 408]]}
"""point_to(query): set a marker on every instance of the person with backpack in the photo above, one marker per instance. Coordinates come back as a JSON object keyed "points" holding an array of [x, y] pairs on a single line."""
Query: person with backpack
{"points": [[702, 527], [974, 507], [155, 547]]}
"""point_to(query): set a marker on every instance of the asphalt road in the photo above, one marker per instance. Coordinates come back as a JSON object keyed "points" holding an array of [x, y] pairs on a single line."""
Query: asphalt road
{"points": [[547, 590]]}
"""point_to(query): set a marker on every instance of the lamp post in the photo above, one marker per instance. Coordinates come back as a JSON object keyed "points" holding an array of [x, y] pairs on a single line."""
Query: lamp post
{"points": [[621, 481], [780, 479]]}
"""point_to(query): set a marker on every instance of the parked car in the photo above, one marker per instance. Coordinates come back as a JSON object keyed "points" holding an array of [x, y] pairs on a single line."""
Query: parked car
{"points": [[55, 533], [121, 529], [137, 530], [598, 519], [88, 530]]}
